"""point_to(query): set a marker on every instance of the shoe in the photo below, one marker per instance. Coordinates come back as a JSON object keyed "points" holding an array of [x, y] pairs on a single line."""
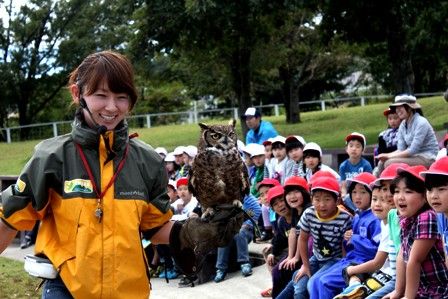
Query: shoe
{"points": [[220, 275], [246, 269], [172, 273], [353, 291], [265, 236], [188, 281], [267, 293]]}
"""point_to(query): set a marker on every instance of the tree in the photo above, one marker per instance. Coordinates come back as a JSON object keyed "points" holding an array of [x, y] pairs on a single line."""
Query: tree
{"points": [[43, 40]]}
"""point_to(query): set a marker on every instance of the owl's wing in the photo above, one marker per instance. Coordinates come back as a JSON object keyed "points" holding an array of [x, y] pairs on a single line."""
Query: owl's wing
{"points": [[245, 185], [191, 182]]}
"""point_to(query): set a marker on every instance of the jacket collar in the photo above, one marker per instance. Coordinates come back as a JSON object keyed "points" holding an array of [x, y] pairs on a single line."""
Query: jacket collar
{"points": [[89, 138]]}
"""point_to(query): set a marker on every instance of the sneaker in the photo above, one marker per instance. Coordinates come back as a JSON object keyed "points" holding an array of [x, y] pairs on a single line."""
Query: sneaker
{"points": [[188, 281], [353, 291], [246, 269], [171, 273], [220, 275], [265, 236]]}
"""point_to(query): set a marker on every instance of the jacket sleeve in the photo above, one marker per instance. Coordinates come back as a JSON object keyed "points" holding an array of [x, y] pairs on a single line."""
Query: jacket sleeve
{"points": [[368, 244], [25, 201]]}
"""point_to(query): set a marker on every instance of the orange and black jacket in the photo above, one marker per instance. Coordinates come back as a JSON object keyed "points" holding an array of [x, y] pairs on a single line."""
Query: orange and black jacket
{"points": [[95, 259]]}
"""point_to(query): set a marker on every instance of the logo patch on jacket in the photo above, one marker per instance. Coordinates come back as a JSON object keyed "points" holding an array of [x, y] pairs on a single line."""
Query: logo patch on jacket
{"points": [[78, 185]]}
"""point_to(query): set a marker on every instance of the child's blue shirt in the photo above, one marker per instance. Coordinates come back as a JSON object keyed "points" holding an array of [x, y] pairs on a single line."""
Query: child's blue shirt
{"points": [[442, 225], [347, 170], [366, 236]]}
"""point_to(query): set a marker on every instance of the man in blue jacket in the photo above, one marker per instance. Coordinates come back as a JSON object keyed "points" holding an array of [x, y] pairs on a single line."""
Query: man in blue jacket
{"points": [[259, 130]]}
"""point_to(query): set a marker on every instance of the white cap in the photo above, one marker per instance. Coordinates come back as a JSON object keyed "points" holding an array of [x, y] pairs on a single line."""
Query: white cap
{"points": [[293, 138], [256, 150], [161, 150], [249, 148], [278, 138], [169, 157], [252, 111], [313, 146], [179, 150], [172, 184], [191, 151]]}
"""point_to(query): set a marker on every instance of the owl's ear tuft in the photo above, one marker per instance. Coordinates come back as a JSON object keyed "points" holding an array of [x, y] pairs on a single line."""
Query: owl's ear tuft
{"points": [[203, 126], [232, 122]]}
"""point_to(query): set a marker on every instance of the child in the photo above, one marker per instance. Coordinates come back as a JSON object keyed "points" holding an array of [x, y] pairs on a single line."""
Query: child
{"points": [[421, 268], [258, 158], [172, 191], [268, 154], [297, 199], [263, 188], [172, 168], [326, 224], [188, 155], [278, 162], [241, 240], [312, 157], [187, 202], [355, 144], [443, 151], [294, 150], [436, 181], [278, 248], [362, 240], [364, 279], [388, 139]]}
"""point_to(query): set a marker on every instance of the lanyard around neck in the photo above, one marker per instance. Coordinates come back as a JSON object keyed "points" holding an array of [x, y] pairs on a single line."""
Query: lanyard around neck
{"points": [[92, 179]]}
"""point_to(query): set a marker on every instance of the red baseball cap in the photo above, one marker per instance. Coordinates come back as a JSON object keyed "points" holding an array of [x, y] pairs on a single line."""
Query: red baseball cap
{"points": [[413, 170], [356, 136], [440, 167], [268, 182], [274, 192], [363, 178], [389, 173], [181, 181], [326, 183], [388, 111], [296, 181]]}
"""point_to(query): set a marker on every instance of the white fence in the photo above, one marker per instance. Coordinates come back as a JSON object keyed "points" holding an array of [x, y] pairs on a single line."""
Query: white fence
{"points": [[47, 130]]}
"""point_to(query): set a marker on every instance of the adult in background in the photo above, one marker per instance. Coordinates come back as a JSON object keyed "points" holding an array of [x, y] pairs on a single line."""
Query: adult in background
{"points": [[259, 130], [417, 142]]}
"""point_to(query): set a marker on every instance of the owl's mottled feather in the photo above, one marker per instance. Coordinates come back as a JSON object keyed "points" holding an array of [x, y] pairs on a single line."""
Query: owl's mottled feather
{"points": [[218, 175]]}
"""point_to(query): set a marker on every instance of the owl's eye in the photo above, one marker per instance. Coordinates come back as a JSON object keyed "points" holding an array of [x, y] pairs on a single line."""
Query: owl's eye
{"points": [[215, 136]]}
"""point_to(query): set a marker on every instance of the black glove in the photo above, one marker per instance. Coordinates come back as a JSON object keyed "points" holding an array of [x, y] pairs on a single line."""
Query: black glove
{"points": [[192, 240]]}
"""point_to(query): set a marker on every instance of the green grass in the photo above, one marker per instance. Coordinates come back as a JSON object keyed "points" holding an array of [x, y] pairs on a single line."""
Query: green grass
{"points": [[327, 128], [15, 282]]}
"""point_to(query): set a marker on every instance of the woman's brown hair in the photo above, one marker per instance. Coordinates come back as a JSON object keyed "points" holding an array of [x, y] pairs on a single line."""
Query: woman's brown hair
{"points": [[109, 67]]}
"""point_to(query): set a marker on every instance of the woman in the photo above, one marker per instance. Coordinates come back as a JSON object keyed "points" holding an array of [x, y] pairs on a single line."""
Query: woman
{"points": [[417, 142], [95, 191]]}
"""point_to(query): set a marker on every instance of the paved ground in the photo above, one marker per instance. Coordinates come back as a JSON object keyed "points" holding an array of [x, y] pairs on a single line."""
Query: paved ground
{"points": [[234, 286]]}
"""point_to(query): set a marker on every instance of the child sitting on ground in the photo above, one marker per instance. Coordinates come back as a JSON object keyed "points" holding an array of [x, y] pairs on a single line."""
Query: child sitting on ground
{"points": [[297, 199], [355, 143], [365, 278], [294, 150], [421, 268], [312, 157], [264, 220], [436, 181], [362, 240], [326, 224], [278, 248]]}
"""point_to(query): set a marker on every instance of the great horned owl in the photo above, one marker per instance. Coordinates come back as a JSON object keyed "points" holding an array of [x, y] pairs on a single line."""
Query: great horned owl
{"points": [[218, 176]]}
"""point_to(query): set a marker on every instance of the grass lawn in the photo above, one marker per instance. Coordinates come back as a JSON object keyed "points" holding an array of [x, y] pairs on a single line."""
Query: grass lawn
{"points": [[327, 128], [15, 282]]}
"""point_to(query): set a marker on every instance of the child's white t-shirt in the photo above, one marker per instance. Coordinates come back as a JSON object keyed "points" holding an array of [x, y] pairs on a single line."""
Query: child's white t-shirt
{"points": [[385, 246]]}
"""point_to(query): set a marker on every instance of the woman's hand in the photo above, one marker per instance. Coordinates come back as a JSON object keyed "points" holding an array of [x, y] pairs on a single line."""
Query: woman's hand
{"points": [[383, 157]]}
